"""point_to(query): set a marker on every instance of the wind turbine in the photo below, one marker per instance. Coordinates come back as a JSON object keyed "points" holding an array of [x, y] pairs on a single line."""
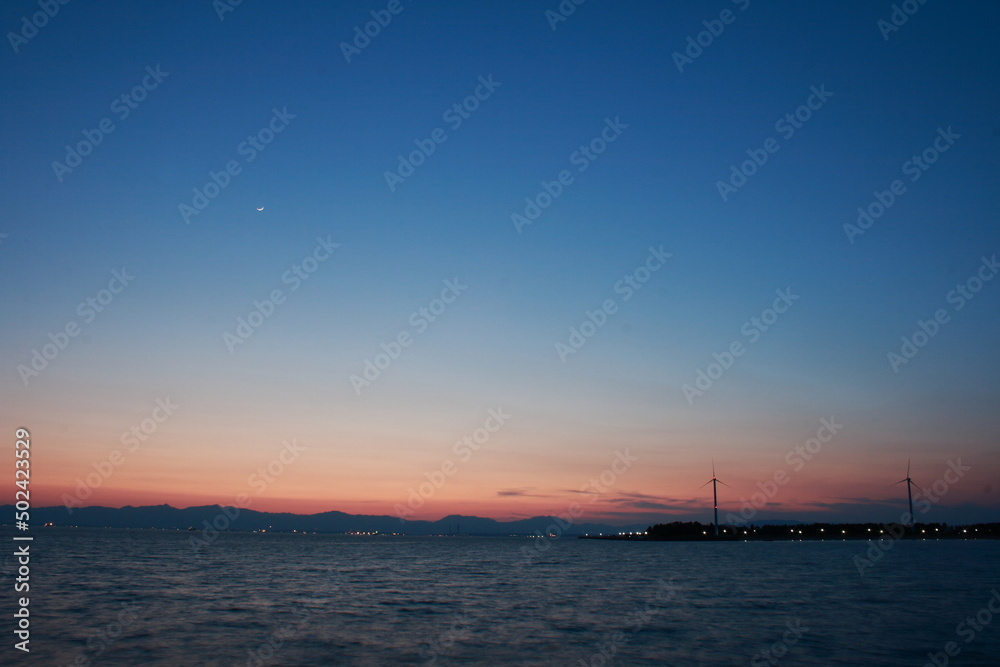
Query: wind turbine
{"points": [[909, 492], [715, 497]]}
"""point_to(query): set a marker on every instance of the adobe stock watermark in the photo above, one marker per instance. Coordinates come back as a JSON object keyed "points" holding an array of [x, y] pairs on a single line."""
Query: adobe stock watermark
{"points": [[459, 629], [258, 481], [898, 17], [87, 310], [265, 651], [915, 167], [262, 654], [223, 7], [796, 459], [581, 158], [31, 26], [967, 630], [593, 488], [8, 568], [634, 622], [714, 28], [122, 106], [924, 500], [927, 329], [772, 655], [294, 276], [133, 439], [249, 148], [104, 638], [752, 329], [464, 449], [454, 116], [563, 11], [594, 320], [381, 18], [786, 126], [419, 320]]}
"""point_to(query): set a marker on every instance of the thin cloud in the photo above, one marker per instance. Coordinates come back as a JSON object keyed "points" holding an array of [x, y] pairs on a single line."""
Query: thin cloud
{"points": [[522, 493]]}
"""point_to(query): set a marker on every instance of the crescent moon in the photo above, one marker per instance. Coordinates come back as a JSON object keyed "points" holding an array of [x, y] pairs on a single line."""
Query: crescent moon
{"points": [[261, 208]]}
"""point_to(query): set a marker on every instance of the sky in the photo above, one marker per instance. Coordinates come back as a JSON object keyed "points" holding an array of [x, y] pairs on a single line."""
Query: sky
{"points": [[504, 258]]}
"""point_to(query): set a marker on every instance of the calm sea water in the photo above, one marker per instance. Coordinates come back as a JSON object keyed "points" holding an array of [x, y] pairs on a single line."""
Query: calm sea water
{"points": [[136, 597]]}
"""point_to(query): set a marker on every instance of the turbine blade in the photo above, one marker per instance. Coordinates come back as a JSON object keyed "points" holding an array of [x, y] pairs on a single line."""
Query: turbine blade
{"points": [[723, 483], [706, 484], [902, 480]]}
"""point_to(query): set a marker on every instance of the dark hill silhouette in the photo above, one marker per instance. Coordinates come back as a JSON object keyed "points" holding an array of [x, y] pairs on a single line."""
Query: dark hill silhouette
{"points": [[167, 517]]}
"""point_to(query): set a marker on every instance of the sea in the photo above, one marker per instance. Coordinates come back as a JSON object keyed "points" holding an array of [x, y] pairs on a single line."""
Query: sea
{"points": [[154, 597]]}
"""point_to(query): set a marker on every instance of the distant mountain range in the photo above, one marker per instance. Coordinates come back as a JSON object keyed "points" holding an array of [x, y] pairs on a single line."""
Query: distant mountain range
{"points": [[215, 516]]}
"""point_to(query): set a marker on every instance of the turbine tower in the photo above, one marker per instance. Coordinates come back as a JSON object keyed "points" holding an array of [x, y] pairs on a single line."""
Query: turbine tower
{"points": [[715, 497], [909, 492]]}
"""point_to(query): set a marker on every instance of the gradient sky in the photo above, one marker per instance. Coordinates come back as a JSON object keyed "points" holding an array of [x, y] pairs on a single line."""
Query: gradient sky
{"points": [[323, 176]]}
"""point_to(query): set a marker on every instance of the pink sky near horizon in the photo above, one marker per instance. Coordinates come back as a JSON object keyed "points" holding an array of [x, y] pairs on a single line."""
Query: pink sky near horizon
{"points": [[364, 455], [507, 479]]}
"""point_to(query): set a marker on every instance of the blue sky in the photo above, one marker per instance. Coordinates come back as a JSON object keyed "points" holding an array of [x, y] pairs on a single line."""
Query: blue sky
{"points": [[656, 184]]}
